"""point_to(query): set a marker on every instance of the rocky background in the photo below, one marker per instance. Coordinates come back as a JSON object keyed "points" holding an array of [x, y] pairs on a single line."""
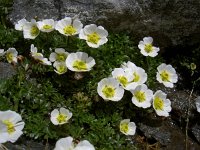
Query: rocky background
{"points": [[170, 22]]}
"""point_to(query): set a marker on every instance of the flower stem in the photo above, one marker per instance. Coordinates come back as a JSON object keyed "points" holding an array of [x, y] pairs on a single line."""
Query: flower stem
{"points": [[187, 119], [3, 147], [148, 64]]}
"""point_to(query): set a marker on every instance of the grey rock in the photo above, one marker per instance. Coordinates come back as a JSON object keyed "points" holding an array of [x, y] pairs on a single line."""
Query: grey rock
{"points": [[6, 70], [158, 133], [169, 135], [170, 22], [24, 144], [196, 132], [180, 104]]}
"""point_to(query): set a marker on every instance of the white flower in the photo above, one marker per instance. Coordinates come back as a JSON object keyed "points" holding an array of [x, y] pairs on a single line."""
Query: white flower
{"points": [[138, 74], [139, 77], [39, 56], [161, 105], [59, 55], [60, 67], [11, 55], [30, 30], [60, 116], [123, 77], [197, 102], [142, 96], [109, 89], [34, 52], [94, 36], [20, 24], [146, 47], [127, 127], [128, 65], [46, 25], [44, 61], [69, 27], [79, 62], [167, 75], [2, 52], [11, 126], [67, 144]]}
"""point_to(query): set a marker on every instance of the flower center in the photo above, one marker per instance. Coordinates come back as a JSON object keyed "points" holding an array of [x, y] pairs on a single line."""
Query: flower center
{"points": [[34, 31], [93, 38], [158, 103], [10, 126], [61, 118], [140, 96], [108, 91], [148, 48], [165, 76], [46, 27], [61, 69], [136, 77], [9, 57], [61, 57], [124, 127], [123, 80], [70, 30], [80, 65]]}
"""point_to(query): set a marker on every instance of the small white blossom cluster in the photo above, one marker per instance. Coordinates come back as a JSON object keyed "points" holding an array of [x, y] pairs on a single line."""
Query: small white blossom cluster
{"points": [[62, 60], [166, 73], [94, 36], [132, 78], [11, 126]]}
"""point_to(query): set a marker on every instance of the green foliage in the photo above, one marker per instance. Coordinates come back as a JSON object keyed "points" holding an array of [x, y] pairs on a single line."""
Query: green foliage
{"points": [[5, 8]]}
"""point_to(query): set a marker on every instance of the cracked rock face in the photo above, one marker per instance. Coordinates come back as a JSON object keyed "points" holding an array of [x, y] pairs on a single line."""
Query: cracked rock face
{"points": [[170, 22]]}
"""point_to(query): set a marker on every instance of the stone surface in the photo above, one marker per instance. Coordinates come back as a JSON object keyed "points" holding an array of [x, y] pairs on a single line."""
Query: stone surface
{"points": [[169, 135], [6, 70], [26, 145], [196, 132], [170, 22]]}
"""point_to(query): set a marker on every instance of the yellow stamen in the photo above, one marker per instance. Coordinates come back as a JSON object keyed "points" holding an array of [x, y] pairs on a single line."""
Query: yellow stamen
{"points": [[108, 91], [148, 48], [70, 30], [46, 27], [61, 69], [165, 76], [140, 96], [61, 118], [123, 80], [34, 31], [9, 57], [124, 127], [10, 126], [136, 77], [61, 57], [80, 65], [93, 38], [158, 103]]}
